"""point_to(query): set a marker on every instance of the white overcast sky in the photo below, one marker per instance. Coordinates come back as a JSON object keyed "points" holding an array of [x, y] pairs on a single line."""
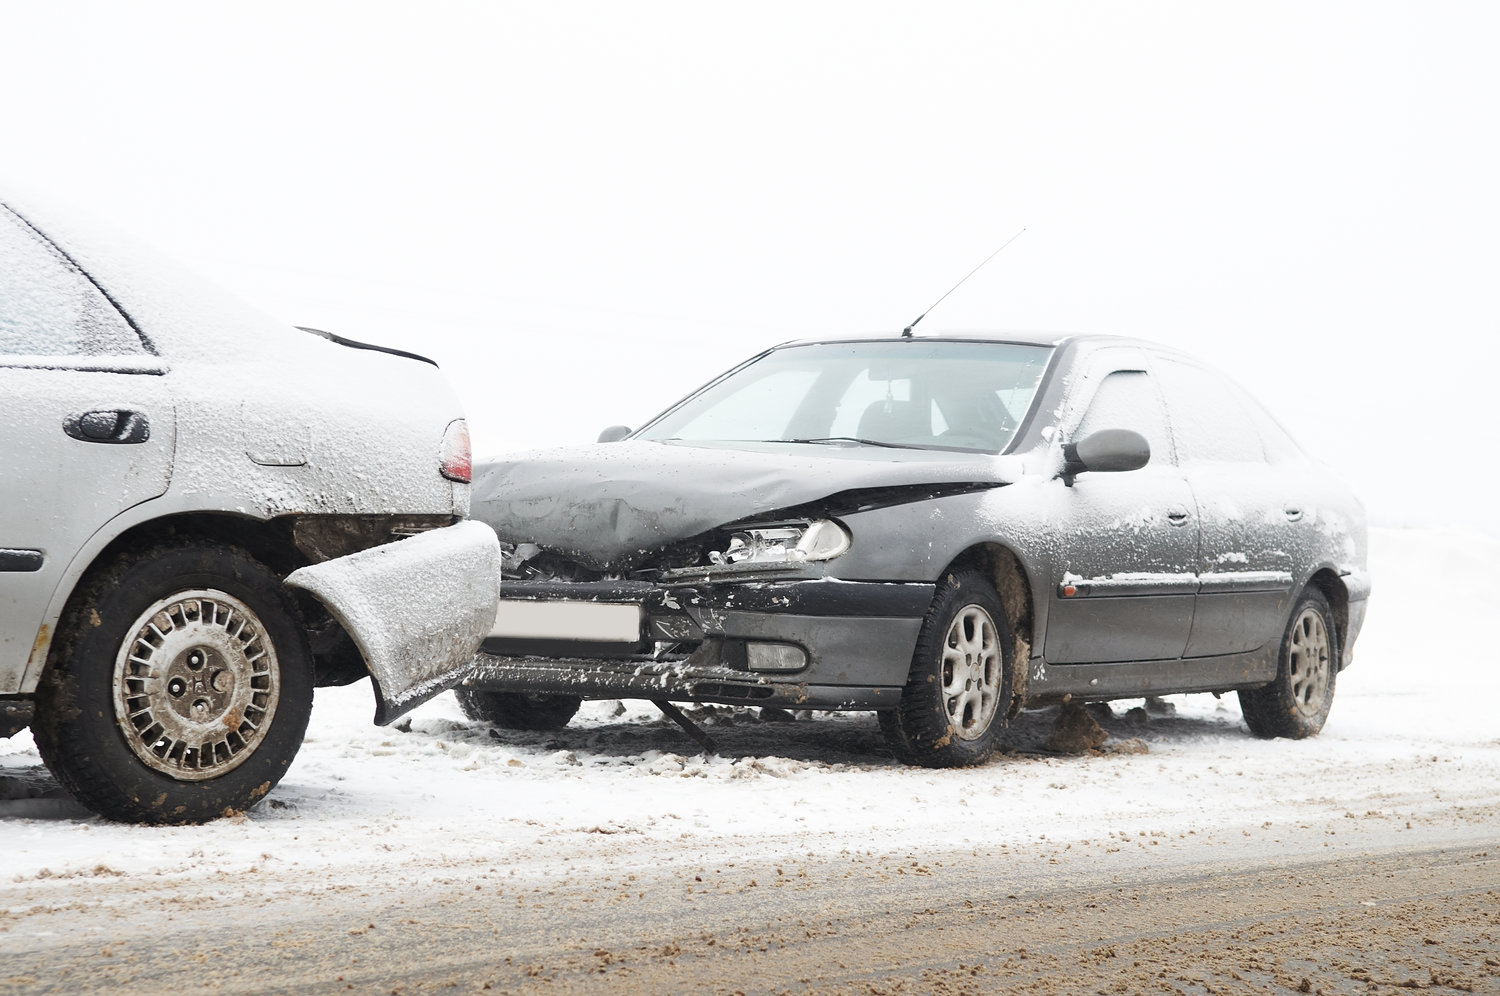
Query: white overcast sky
{"points": [[584, 210]]}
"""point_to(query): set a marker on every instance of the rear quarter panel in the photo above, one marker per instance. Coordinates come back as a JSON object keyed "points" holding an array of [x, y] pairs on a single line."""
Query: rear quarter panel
{"points": [[320, 428]]}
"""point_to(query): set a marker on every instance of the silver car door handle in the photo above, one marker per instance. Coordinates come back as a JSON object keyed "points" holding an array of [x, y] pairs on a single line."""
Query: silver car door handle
{"points": [[1293, 513], [1177, 516], [21, 561], [109, 425]]}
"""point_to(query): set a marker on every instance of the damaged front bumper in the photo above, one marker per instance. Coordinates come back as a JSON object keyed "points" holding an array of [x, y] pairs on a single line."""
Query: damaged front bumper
{"points": [[417, 609], [807, 643]]}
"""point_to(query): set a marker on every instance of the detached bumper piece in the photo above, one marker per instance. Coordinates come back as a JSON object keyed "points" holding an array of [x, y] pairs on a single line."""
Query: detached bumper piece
{"points": [[417, 609], [823, 644]]}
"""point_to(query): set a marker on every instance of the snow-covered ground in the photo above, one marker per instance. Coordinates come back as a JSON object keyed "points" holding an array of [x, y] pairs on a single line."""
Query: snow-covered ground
{"points": [[1414, 738]]}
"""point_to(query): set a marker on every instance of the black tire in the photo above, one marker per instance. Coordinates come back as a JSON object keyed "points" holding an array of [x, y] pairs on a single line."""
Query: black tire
{"points": [[204, 714], [938, 724], [1297, 703], [517, 711]]}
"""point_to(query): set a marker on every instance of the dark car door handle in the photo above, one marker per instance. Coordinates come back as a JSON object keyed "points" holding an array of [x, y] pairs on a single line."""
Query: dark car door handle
{"points": [[109, 425], [1293, 513], [1177, 516]]}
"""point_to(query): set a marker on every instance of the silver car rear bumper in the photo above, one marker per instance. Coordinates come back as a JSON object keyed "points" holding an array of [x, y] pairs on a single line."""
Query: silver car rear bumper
{"points": [[417, 609]]}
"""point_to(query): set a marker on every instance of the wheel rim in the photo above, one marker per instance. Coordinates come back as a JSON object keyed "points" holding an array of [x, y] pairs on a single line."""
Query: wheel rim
{"points": [[196, 685], [1309, 660], [971, 672]]}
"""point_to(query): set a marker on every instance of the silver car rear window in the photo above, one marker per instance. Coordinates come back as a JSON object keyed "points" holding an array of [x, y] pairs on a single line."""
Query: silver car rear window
{"points": [[48, 307]]}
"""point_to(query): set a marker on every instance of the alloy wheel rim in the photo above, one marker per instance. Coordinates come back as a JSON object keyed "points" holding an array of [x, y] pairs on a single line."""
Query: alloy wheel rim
{"points": [[971, 672], [196, 685], [1309, 662]]}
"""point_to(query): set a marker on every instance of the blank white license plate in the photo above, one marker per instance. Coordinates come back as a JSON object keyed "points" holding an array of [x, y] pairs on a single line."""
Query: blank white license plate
{"points": [[593, 622]]}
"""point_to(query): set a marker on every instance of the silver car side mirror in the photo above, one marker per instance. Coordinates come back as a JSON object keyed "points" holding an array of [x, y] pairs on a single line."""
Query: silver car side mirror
{"points": [[614, 433]]}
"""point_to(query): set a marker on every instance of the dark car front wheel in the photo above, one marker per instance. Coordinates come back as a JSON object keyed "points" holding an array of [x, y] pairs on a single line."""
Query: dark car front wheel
{"points": [[515, 711], [1296, 704], [179, 686], [957, 695]]}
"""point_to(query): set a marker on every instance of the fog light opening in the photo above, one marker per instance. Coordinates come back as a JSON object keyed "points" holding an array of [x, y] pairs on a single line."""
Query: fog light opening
{"points": [[774, 657]]}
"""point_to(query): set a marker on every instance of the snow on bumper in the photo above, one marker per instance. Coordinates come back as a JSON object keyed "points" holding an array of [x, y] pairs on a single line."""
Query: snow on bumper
{"points": [[417, 609]]}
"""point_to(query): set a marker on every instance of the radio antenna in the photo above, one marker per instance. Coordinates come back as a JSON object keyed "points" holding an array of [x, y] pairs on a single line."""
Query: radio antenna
{"points": [[906, 332]]}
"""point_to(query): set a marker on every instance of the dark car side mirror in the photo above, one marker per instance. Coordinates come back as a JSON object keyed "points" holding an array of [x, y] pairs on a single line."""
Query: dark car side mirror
{"points": [[1107, 451], [615, 433]]}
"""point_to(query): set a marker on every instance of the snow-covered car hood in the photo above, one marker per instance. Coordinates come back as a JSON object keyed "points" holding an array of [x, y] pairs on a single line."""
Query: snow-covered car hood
{"points": [[607, 504]]}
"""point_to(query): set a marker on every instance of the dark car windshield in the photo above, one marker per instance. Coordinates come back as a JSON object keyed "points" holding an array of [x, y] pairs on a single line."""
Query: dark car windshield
{"points": [[909, 393]]}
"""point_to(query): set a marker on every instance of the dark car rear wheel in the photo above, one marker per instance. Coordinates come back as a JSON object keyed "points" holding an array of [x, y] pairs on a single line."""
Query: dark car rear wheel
{"points": [[1296, 704], [956, 697], [179, 687], [517, 711]]}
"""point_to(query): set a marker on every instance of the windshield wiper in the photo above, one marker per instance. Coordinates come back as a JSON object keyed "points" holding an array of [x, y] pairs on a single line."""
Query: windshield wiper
{"points": [[853, 439]]}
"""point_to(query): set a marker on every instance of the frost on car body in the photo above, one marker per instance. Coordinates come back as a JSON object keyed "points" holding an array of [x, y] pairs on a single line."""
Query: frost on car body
{"points": [[1084, 518], [174, 455]]}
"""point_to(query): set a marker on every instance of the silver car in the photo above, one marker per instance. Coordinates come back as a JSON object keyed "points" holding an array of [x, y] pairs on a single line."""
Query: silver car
{"points": [[943, 529], [197, 519]]}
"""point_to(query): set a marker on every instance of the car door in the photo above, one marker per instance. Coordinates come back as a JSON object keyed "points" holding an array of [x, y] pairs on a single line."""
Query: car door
{"points": [[1125, 576], [87, 427], [1250, 513]]}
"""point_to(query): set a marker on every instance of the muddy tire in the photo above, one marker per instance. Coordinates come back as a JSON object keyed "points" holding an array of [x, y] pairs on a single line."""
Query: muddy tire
{"points": [[1296, 704], [178, 688], [517, 711], [957, 695]]}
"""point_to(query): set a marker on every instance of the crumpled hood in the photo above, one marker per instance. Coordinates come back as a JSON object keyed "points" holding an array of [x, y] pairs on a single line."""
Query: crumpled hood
{"points": [[607, 504]]}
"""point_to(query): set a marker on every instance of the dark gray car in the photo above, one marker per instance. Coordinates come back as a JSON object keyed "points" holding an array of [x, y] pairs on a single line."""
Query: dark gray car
{"points": [[944, 529]]}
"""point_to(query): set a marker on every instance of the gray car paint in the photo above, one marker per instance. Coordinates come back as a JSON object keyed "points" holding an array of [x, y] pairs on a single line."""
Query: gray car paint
{"points": [[1177, 588]]}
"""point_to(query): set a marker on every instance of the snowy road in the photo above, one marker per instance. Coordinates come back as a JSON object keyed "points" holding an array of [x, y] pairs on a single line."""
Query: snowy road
{"points": [[1374, 907], [612, 849]]}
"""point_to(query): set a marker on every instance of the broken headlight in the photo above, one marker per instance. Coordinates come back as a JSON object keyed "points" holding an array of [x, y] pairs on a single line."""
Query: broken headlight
{"points": [[793, 543]]}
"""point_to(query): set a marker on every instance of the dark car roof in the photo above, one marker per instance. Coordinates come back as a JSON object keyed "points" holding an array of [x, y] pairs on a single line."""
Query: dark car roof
{"points": [[1032, 338]]}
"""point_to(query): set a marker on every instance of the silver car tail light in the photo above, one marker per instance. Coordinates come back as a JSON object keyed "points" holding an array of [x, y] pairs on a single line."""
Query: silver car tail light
{"points": [[455, 460]]}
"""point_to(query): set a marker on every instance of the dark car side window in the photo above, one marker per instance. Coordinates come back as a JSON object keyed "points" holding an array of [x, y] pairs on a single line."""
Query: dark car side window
{"points": [[1280, 447], [1128, 399], [49, 308], [1209, 415]]}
